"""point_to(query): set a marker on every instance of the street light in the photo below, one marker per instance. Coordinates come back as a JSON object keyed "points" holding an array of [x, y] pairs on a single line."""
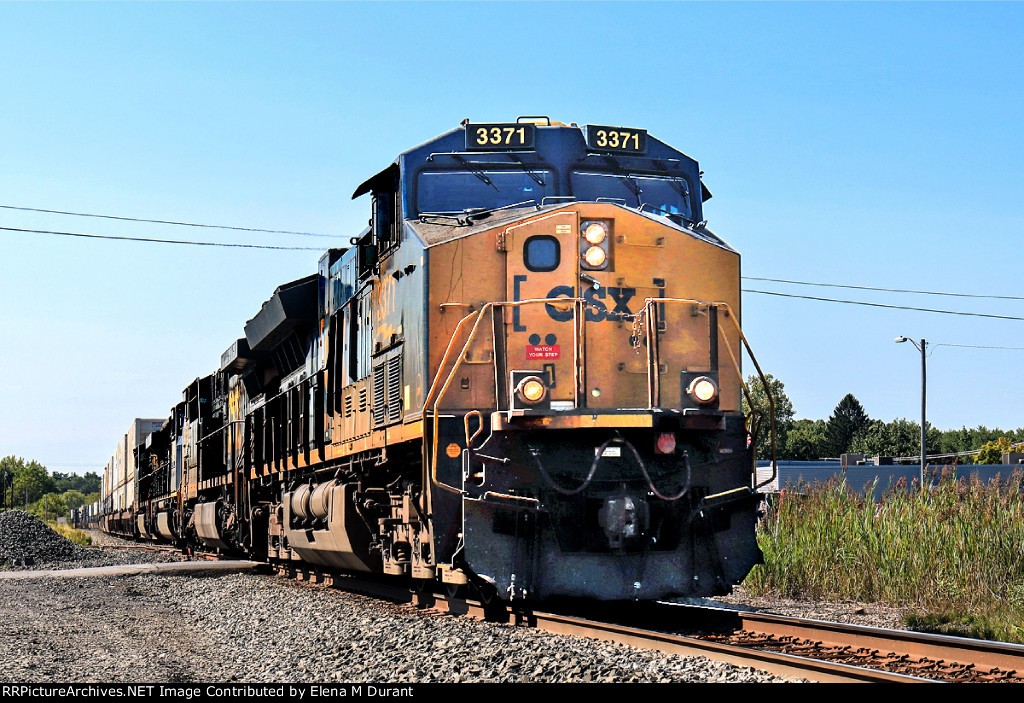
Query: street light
{"points": [[921, 348]]}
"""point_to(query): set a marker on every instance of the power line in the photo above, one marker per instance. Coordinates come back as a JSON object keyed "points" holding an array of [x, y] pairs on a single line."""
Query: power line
{"points": [[48, 464], [160, 241], [972, 346], [167, 222], [883, 305], [884, 290], [973, 452]]}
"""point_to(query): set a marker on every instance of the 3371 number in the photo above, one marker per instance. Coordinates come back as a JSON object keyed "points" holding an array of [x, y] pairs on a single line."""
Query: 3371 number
{"points": [[499, 136], [617, 138], [505, 136]]}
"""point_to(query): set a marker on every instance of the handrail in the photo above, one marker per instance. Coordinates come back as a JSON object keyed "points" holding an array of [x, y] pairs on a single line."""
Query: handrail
{"points": [[435, 394], [488, 307], [648, 306]]}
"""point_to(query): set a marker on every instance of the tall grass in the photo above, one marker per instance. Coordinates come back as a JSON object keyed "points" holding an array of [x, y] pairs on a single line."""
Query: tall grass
{"points": [[952, 554], [76, 536]]}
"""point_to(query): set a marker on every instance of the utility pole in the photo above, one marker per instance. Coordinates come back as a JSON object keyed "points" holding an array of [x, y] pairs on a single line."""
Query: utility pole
{"points": [[924, 386]]}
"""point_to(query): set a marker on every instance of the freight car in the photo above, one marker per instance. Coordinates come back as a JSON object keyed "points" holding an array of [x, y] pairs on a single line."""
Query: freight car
{"points": [[522, 376]]}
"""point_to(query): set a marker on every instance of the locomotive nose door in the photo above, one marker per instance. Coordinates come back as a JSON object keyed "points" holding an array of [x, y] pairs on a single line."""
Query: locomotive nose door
{"points": [[540, 337]]}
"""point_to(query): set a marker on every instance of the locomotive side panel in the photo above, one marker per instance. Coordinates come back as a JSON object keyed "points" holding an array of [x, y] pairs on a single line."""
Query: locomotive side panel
{"points": [[465, 274]]}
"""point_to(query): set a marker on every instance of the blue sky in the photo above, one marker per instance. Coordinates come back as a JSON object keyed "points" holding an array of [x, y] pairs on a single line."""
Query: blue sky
{"points": [[869, 144]]}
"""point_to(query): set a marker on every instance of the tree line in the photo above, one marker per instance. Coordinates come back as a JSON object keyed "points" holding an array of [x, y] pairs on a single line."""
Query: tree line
{"points": [[849, 430], [30, 486]]}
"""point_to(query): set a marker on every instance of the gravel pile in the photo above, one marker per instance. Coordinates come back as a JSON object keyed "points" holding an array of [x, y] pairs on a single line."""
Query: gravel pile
{"points": [[258, 629], [26, 542]]}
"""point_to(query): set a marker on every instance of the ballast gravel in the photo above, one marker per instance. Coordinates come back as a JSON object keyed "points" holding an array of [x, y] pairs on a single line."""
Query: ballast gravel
{"points": [[26, 542], [258, 628]]}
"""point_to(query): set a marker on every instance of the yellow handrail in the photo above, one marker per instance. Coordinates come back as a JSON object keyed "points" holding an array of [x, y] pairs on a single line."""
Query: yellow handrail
{"points": [[653, 387], [488, 307], [648, 305]]}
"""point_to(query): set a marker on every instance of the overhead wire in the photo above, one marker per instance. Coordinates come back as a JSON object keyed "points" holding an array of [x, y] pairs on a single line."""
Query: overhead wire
{"points": [[972, 346], [314, 234], [883, 290], [167, 222], [884, 305], [160, 241]]}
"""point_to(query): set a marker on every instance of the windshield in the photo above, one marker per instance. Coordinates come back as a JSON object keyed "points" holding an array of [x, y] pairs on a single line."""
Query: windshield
{"points": [[455, 191], [664, 194]]}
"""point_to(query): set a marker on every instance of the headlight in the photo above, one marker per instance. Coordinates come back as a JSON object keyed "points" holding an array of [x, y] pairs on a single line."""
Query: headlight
{"points": [[595, 256], [703, 389], [595, 232], [531, 390]]}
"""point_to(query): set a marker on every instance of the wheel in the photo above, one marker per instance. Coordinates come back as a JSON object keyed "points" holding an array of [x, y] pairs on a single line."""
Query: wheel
{"points": [[495, 609], [455, 590]]}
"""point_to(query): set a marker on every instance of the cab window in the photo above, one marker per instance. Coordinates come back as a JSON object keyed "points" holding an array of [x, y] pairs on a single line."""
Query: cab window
{"points": [[670, 195], [455, 191]]}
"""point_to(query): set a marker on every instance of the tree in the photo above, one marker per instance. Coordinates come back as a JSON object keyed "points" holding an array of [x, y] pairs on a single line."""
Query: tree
{"points": [[846, 421], [30, 481], [783, 413], [805, 441], [73, 499], [900, 437], [6, 478], [897, 438], [49, 507], [74, 482], [992, 452]]}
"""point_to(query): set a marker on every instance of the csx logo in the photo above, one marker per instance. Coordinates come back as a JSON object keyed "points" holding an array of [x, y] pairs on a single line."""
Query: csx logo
{"points": [[604, 303]]}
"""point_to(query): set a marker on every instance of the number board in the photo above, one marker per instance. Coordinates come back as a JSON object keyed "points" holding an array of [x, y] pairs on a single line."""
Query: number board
{"points": [[488, 137], [624, 139]]}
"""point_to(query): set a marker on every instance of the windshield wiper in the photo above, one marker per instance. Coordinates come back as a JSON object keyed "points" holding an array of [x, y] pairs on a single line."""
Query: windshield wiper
{"points": [[621, 173], [476, 171], [673, 181], [467, 216], [531, 174]]}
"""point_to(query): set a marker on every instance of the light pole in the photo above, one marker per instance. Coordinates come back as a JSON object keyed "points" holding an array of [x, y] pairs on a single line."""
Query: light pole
{"points": [[921, 348]]}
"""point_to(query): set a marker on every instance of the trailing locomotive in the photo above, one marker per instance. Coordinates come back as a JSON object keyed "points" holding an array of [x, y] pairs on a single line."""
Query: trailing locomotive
{"points": [[523, 375]]}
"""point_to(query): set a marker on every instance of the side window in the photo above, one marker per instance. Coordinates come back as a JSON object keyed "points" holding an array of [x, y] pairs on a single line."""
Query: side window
{"points": [[541, 253], [386, 221]]}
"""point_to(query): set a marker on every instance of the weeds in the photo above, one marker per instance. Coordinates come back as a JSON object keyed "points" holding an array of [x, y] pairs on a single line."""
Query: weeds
{"points": [[951, 553], [76, 536]]}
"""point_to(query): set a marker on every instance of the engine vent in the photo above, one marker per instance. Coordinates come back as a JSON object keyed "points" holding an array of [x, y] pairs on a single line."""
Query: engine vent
{"points": [[387, 389]]}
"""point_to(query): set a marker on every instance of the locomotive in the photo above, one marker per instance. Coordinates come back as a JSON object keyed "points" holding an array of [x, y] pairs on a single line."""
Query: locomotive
{"points": [[523, 376]]}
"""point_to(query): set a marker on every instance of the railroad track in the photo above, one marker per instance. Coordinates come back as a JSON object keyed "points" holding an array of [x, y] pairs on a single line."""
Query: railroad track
{"points": [[783, 645], [934, 657], [786, 646], [161, 549], [840, 652]]}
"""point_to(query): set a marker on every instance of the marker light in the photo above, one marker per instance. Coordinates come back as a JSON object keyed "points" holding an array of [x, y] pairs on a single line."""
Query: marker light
{"points": [[595, 232], [702, 389], [531, 390], [595, 256], [665, 443]]}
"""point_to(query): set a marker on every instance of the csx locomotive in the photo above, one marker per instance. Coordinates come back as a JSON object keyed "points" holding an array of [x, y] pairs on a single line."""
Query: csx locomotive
{"points": [[522, 376]]}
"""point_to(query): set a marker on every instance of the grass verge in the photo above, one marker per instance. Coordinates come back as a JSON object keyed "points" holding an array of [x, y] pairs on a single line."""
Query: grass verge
{"points": [[950, 556]]}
